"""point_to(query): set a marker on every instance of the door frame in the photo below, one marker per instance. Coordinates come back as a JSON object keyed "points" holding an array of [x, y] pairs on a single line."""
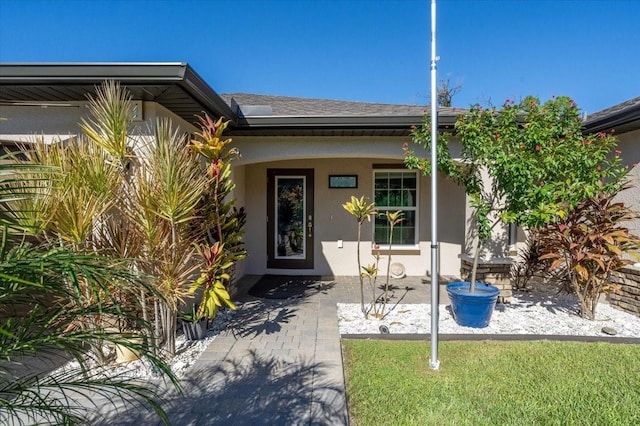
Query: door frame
{"points": [[309, 231]]}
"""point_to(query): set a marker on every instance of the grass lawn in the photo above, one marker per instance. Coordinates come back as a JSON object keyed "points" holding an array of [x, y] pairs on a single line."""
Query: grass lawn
{"points": [[492, 383]]}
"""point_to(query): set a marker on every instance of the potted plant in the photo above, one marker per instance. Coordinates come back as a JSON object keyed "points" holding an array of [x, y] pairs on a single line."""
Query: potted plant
{"points": [[194, 325], [536, 163]]}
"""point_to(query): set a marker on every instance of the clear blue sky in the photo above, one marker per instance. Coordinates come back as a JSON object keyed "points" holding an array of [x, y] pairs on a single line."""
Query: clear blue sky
{"points": [[363, 50]]}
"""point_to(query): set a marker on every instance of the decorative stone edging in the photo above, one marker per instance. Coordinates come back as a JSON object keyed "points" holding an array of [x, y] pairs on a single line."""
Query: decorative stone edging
{"points": [[496, 271], [627, 296]]}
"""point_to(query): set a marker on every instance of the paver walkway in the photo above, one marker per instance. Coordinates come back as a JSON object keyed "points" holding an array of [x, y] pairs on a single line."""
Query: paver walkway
{"points": [[280, 362]]}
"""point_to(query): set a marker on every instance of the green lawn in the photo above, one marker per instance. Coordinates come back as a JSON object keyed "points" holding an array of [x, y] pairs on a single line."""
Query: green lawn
{"points": [[492, 383]]}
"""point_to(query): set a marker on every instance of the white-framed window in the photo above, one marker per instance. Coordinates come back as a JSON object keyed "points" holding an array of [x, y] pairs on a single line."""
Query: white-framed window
{"points": [[396, 190]]}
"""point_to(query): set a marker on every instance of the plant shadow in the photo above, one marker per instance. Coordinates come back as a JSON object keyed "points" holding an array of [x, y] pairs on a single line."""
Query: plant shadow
{"points": [[252, 390], [257, 317], [550, 297], [284, 287]]}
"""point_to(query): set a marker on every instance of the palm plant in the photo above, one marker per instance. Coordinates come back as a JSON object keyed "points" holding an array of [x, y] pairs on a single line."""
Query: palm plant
{"points": [[42, 309], [168, 187], [150, 204]]}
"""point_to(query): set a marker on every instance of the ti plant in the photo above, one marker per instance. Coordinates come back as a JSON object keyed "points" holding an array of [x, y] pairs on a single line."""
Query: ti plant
{"points": [[213, 275], [222, 223], [393, 218], [590, 243], [361, 209]]}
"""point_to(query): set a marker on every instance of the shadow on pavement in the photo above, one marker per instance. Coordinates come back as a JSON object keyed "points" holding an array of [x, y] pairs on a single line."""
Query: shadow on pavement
{"points": [[255, 390], [288, 287], [256, 317]]}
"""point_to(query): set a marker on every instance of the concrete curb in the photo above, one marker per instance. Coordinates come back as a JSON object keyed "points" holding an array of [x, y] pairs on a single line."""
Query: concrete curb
{"points": [[499, 337]]}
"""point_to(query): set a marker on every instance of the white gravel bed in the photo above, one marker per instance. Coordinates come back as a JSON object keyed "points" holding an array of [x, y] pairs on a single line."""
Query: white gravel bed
{"points": [[540, 312], [187, 353]]}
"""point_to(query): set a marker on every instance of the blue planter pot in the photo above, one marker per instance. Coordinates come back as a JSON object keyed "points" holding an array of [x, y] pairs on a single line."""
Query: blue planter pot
{"points": [[472, 309]]}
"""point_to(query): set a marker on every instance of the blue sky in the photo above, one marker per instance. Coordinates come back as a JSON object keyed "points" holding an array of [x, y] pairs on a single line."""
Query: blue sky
{"points": [[362, 50]]}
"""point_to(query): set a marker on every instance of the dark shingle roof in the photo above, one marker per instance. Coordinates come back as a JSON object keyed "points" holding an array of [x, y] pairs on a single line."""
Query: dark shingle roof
{"points": [[267, 115], [292, 106], [623, 117]]}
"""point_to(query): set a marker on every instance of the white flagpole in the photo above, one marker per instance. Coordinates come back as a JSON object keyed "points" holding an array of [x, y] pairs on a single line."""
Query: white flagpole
{"points": [[435, 364]]}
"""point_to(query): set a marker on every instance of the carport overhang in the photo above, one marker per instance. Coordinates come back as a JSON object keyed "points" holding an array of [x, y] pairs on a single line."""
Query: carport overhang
{"points": [[174, 85]]}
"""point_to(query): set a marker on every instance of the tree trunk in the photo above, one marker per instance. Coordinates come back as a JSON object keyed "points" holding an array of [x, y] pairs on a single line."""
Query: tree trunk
{"points": [[474, 267]]}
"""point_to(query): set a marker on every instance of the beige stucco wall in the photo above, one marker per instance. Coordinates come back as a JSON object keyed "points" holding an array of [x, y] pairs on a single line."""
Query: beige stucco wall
{"points": [[629, 145], [23, 123], [333, 223]]}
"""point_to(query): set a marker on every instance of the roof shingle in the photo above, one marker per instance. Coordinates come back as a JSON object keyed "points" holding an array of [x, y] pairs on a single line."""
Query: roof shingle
{"points": [[292, 106]]}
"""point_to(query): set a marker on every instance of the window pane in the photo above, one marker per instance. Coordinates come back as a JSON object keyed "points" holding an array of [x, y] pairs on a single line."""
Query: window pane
{"points": [[382, 181], [403, 233], [290, 220], [409, 181], [381, 232], [396, 191], [395, 198], [395, 180], [408, 198], [381, 198]]}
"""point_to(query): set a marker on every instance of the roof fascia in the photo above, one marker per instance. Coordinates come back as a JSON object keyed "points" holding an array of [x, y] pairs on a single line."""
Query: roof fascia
{"points": [[342, 122], [627, 116], [90, 72], [138, 73], [198, 88]]}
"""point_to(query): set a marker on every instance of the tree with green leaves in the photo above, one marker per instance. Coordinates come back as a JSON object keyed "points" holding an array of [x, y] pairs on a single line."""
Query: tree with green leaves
{"points": [[538, 162]]}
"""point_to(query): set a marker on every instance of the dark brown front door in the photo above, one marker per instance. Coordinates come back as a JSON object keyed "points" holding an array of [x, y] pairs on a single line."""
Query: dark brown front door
{"points": [[290, 218]]}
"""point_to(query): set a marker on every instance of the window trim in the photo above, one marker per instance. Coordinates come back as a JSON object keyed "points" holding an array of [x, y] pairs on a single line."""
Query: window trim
{"points": [[396, 247]]}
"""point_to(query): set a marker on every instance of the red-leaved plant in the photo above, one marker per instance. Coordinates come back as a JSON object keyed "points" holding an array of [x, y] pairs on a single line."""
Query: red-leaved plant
{"points": [[590, 243]]}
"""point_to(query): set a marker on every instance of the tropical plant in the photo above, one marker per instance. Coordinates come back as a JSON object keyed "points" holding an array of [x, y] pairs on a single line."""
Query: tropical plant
{"points": [[41, 320], [538, 162], [589, 244], [222, 223], [137, 198], [393, 218], [43, 290], [361, 209], [528, 263], [168, 187]]}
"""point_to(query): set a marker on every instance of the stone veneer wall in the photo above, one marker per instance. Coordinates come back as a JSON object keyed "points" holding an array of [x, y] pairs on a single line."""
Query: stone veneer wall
{"points": [[493, 271], [627, 297], [498, 273]]}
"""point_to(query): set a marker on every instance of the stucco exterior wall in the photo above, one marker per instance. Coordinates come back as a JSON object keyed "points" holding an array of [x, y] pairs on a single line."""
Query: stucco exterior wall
{"points": [[629, 145], [333, 223], [24, 123]]}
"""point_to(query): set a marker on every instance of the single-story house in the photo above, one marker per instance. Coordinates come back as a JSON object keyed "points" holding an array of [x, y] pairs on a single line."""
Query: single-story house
{"points": [[301, 159]]}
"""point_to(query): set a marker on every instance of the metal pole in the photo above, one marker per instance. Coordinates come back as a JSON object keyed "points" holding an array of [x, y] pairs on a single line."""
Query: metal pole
{"points": [[435, 364]]}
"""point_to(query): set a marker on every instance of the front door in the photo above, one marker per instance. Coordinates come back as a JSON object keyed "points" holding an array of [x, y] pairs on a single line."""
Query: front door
{"points": [[290, 218]]}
